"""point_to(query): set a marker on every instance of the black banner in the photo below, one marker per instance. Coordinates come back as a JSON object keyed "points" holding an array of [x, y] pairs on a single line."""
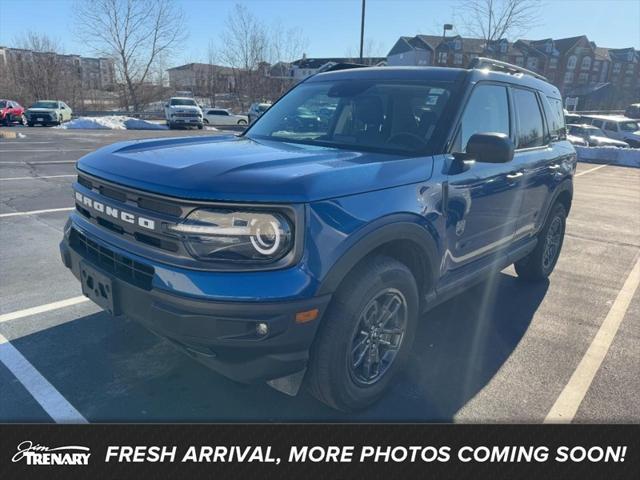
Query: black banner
{"points": [[324, 450]]}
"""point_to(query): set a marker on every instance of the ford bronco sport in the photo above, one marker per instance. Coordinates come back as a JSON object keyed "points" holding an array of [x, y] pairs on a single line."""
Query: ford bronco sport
{"points": [[306, 250]]}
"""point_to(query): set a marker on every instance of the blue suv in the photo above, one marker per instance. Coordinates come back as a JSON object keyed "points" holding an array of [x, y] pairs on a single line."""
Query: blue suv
{"points": [[305, 251]]}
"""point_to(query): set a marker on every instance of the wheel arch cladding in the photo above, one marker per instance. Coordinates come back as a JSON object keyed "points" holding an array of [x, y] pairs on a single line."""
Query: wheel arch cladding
{"points": [[407, 242]]}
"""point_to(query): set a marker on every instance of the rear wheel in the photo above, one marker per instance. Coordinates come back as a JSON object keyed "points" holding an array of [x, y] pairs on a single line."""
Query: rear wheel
{"points": [[539, 264], [366, 335], [242, 122]]}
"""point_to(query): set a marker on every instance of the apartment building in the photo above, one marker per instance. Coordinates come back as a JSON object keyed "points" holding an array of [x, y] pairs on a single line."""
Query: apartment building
{"points": [[92, 73], [591, 76]]}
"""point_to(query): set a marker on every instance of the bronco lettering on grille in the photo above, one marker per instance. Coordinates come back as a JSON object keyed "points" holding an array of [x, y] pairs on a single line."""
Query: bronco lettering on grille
{"points": [[115, 213]]}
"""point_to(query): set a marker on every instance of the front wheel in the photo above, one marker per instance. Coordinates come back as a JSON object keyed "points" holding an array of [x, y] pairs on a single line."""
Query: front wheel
{"points": [[200, 126], [23, 120], [539, 264], [366, 335], [242, 122]]}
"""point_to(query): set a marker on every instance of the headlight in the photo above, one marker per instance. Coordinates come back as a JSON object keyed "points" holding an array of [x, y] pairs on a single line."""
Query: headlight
{"points": [[236, 236]]}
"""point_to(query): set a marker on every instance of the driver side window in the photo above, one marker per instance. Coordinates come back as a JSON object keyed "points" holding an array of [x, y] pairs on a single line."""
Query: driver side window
{"points": [[487, 111]]}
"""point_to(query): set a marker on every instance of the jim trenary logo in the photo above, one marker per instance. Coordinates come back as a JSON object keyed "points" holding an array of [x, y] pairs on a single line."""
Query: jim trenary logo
{"points": [[34, 454]]}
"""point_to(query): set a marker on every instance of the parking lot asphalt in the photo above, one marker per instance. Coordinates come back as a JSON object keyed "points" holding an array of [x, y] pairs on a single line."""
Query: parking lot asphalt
{"points": [[505, 351]]}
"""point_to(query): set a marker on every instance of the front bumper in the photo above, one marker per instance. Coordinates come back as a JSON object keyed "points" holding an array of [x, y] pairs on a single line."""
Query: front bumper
{"points": [[222, 335]]}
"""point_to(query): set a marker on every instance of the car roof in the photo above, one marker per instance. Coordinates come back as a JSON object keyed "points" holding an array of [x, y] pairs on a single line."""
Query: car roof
{"points": [[182, 98], [611, 118], [582, 125], [444, 74]]}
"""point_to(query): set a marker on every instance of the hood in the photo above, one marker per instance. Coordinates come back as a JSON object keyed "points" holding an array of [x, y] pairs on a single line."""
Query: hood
{"points": [[606, 141], [42, 110], [186, 108], [239, 169]]}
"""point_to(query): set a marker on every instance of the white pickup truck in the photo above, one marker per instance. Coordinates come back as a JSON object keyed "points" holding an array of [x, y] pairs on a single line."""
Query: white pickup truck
{"points": [[182, 112]]}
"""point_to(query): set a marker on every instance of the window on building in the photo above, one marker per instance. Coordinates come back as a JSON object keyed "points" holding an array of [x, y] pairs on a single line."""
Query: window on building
{"points": [[568, 77], [571, 63], [486, 111], [457, 59], [583, 77], [457, 45], [630, 68], [548, 47], [503, 47], [532, 63], [519, 61], [530, 129], [596, 65], [586, 63], [616, 67], [442, 57], [553, 62]]}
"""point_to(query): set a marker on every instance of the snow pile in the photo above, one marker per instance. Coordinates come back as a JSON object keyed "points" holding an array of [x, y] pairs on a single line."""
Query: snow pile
{"points": [[629, 157], [113, 122]]}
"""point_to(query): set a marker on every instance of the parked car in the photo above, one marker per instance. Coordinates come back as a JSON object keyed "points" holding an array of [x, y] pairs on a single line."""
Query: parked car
{"points": [[256, 110], [594, 136], [308, 257], [618, 127], [48, 112], [10, 112], [221, 116], [183, 112], [633, 111]]}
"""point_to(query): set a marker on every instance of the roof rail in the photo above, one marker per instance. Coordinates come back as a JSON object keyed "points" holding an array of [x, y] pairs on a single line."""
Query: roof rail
{"points": [[342, 66], [497, 65]]}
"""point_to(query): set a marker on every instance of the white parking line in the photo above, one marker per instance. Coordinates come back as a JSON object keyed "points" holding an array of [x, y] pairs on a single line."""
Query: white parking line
{"points": [[27, 312], [34, 178], [55, 150], [34, 212], [591, 170], [50, 399], [44, 162], [567, 404]]}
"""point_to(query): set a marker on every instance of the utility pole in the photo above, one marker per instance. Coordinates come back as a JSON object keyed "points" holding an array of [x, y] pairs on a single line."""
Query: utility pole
{"points": [[362, 30]]}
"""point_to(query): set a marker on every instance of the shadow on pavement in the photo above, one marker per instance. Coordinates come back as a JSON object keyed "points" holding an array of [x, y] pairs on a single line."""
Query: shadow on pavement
{"points": [[112, 369]]}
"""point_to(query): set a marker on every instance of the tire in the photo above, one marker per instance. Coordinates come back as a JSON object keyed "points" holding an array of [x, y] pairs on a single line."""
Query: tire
{"points": [[205, 121], [30, 124], [171, 126], [23, 120], [242, 122], [539, 264], [200, 126], [332, 376]]}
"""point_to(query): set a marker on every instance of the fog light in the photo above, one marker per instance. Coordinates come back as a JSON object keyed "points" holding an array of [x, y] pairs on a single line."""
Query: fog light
{"points": [[262, 329]]}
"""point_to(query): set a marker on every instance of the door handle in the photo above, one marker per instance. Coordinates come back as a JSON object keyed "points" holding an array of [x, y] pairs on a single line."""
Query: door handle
{"points": [[514, 175]]}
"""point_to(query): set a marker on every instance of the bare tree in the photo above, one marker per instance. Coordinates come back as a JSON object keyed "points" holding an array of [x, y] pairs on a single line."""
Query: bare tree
{"points": [[246, 50], [496, 19], [137, 34], [286, 46], [371, 48]]}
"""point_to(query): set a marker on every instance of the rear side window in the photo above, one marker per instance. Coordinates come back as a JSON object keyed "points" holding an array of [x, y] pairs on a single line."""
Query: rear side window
{"points": [[487, 111], [611, 126], [530, 129], [597, 123], [555, 117]]}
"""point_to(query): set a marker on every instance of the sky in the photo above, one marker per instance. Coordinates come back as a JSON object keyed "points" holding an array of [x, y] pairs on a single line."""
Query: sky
{"points": [[332, 27]]}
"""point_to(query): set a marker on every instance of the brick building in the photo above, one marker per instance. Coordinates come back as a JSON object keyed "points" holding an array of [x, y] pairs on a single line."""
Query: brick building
{"points": [[596, 77]]}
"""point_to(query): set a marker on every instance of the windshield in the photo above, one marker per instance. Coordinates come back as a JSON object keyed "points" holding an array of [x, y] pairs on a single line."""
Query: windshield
{"points": [[183, 101], [45, 105], [356, 114], [629, 126], [3, 104], [262, 108]]}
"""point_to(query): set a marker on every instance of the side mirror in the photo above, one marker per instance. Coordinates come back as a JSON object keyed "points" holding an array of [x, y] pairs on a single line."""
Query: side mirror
{"points": [[490, 148]]}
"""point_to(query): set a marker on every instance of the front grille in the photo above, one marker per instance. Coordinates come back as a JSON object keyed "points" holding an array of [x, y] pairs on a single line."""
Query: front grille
{"points": [[119, 266], [186, 115], [44, 116]]}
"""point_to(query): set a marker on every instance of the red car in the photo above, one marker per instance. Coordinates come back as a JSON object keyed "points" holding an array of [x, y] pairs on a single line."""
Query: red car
{"points": [[11, 111]]}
